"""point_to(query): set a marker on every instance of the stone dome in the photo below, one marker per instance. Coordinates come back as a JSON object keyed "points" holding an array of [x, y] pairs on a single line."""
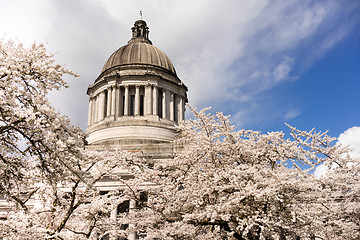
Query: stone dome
{"points": [[139, 51]]}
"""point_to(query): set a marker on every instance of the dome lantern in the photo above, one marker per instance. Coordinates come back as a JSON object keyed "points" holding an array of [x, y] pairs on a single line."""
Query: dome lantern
{"points": [[140, 32]]}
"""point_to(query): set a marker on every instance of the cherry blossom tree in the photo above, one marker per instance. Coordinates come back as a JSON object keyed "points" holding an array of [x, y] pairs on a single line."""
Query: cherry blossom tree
{"points": [[229, 184], [48, 180], [222, 183]]}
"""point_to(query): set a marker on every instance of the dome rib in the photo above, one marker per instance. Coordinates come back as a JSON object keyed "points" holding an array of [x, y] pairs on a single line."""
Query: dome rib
{"points": [[148, 51], [139, 53], [165, 63]]}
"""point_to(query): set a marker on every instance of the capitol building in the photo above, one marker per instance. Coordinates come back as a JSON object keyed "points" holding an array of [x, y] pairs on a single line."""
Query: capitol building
{"points": [[137, 100], [135, 105]]}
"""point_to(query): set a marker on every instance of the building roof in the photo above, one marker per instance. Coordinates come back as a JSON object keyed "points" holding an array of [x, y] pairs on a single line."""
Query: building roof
{"points": [[139, 50]]}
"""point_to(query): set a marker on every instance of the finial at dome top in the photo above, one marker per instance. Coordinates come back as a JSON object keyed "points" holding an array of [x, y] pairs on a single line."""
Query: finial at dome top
{"points": [[140, 31]]}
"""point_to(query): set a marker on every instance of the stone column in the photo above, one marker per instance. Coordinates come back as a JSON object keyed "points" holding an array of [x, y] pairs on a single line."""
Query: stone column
{"points": [[113, 214], [108, 104], [118, 99], [101, 105], [90, 112], [148, 99], [164, 103], [126, 103], [113, 100], [171, 106], [95, 107], [181, 108], [155, 100], [132, 206], [91, 107], [94, 113], [137, 100]]}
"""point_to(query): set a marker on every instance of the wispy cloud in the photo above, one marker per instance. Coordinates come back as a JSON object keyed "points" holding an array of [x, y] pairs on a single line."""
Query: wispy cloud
{"points": [[292, 114]]}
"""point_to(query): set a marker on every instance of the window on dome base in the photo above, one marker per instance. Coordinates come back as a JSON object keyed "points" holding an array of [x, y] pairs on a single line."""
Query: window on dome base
{"points": [[105, 103], [123, 105], [132, 105], [141, 105], [160, 105]]}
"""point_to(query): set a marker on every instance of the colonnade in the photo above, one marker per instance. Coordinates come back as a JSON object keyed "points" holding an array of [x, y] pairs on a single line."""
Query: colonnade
{"points": [[136, 100]]}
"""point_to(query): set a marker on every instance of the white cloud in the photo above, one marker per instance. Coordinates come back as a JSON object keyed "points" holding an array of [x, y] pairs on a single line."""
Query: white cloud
{"points": [[321, 170], [24, 20], [350, 138]]}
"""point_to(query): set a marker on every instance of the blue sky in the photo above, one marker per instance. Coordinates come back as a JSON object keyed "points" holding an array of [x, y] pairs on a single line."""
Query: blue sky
{"points": [[262, 62], [325, 96]]}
